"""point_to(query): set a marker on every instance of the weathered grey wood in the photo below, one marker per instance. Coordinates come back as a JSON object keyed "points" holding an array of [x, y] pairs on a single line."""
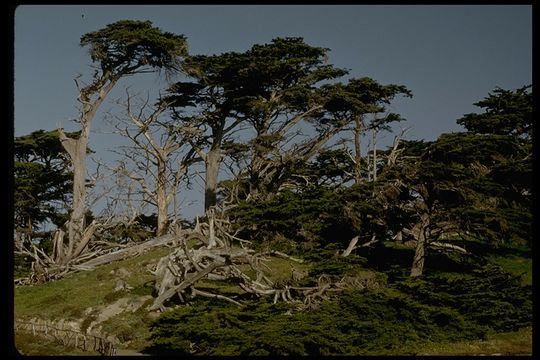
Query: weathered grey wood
{"points": [[128, 252]]}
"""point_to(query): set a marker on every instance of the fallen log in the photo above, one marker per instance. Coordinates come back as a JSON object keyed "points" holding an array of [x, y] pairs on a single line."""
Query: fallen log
{"points": [[127, 252]]}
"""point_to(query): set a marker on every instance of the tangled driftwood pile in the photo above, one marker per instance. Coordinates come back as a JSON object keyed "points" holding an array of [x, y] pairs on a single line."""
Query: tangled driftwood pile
{"points": [[210, 251]]}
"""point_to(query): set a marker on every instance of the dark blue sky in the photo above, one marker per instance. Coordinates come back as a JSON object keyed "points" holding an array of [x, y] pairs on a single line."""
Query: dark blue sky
{"points": [[449, 56]]}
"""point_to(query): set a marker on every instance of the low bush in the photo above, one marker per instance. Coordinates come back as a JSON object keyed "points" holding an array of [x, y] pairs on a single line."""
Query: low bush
{"points": [[443, 307]]}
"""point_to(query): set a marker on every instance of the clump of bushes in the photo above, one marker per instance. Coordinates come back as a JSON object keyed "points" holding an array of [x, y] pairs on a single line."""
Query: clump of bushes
{"points": [[444, 307], [487, 296], [313, 217]]}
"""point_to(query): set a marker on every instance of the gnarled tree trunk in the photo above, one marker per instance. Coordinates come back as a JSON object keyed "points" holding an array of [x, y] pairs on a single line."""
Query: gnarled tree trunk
{"points": [[420, 234]]}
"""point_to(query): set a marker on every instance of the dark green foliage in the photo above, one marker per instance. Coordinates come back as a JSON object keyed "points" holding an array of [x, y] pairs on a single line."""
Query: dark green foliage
{"points": [[487, 296], [21, 266], [41, 192], [313, 216], [42, 180], [488, 169], [363, 96], [443, 307], [464, 148], [356, 324], [287, 65], [468, 182], [328, 262], [507, 112], [127, 45], [319, 215], [330, 168]]}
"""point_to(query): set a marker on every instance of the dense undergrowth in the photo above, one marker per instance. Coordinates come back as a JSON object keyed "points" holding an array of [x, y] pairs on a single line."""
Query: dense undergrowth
{"points": [[401, 317]]}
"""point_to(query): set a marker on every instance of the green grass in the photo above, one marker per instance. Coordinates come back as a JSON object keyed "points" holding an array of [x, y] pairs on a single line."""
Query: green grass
{"points": [[516, 265], [30, 345], [71, 296], [509, 343], [68, 298], [131, 328]]}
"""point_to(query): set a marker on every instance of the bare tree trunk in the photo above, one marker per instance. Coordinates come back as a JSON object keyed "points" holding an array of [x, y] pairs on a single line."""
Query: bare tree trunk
{"points": [[127, 252], [374, 144], [76, 223], [351, 247], [417, 268], [161, 199], [357, 150], [76, 149], [392, 157], [212, 161], [439, 245], [418, 261], [153, 154]]}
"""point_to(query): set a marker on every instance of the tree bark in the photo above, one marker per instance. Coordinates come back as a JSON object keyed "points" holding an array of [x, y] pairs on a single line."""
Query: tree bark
{"points": [[29, 230], [191, 279], [212, 161], [76, 149], [351, 246], [161, 198], [392, 157], [357, 150], [417, 268], [127, 252], [373, 140]]}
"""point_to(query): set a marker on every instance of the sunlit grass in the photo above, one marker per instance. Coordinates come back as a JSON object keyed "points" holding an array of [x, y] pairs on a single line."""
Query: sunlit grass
{"points": [[515, 265], [510, 343], [69, 297]]}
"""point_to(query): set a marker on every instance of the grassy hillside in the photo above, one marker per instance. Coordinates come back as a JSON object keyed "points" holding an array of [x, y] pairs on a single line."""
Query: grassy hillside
{"points": [[89, 296], [83, 296]]}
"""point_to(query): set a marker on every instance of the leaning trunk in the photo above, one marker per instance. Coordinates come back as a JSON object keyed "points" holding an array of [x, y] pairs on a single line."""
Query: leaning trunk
{"points": [[76, 149]]}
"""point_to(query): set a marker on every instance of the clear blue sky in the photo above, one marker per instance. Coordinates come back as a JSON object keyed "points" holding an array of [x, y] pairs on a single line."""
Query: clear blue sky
{"points": [[449, 56]]}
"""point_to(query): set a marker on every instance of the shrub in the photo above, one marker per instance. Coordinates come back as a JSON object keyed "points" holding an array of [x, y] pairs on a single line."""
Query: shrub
{"points": [[488, 296], [359, 323]]}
